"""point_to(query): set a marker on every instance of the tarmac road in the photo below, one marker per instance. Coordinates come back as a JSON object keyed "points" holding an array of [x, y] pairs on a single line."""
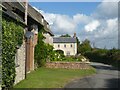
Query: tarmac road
{"points": [[106, 77]]}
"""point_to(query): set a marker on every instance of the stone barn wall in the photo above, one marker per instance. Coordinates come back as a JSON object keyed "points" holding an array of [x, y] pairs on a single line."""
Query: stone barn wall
{"points": [[20, 64]]}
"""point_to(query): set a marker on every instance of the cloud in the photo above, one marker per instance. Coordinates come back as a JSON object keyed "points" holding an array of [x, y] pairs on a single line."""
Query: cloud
{"points": [[106, 35], [100, 27], [92, 26], [106, 10], [62, 24], [81, 19]]}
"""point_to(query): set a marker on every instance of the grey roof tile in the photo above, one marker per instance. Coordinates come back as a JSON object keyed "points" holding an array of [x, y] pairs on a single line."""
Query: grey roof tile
{"points": [[64, 40]]}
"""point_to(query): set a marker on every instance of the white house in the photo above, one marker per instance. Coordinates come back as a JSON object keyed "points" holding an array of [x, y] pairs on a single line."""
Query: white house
{"points": [[67, 44]]}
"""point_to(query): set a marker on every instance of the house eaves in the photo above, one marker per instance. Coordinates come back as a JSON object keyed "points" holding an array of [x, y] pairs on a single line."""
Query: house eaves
{"points": [[7, 10], [37, 16], [47, 28]]}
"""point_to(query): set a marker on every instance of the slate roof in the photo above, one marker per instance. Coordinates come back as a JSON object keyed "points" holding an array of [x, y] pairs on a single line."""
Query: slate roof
{"points": [[64, 40]]}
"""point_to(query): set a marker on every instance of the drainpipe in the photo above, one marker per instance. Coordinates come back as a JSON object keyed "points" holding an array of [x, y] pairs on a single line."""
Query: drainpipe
{"points": [[26, 11]]}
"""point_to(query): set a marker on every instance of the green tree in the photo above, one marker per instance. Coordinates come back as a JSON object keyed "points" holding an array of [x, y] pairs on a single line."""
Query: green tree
{"points": [[78, 45], [85, 46], [66, 35]]}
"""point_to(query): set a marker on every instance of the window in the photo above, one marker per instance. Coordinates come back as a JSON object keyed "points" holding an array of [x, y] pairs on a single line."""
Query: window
{"points": [[68, 53], [71, 45], [64, 46], [58, 46]]}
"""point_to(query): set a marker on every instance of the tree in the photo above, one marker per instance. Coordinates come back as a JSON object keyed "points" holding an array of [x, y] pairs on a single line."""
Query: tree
{"points": [[66, 35], [78, 45], [85, 46]]}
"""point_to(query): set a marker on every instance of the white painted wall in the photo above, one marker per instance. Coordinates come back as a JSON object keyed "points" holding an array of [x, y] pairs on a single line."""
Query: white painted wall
{"points": [[72, 50]]}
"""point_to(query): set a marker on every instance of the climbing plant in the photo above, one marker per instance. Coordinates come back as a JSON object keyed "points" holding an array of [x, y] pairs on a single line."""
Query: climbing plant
{"points": [[39, 50], [12, 36], [43, 51]]}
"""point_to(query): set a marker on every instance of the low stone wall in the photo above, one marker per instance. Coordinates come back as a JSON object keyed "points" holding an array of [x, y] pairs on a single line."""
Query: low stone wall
{"points": [[68, 65]]}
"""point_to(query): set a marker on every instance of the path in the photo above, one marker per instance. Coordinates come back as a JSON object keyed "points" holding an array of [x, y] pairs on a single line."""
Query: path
{"points": [[106, 77]]}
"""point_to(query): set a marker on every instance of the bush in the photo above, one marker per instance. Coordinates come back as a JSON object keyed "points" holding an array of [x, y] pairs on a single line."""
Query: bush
{"points": [[111, 57], [60, 52]]}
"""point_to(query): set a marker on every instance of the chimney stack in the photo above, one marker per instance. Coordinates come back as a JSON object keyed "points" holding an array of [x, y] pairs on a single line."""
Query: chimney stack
{"points": [[74, 35]]}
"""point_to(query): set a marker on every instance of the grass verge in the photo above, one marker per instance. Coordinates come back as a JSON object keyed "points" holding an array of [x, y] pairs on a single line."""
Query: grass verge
{"points": [[52, 78]]}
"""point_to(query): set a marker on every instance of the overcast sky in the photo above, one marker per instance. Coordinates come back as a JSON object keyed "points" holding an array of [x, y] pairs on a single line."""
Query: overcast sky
{"points": [[96, 21]]}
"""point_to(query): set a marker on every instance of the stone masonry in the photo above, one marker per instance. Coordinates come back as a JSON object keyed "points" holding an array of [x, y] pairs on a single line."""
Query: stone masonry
{"points": [[68, 65], [20, 64]]}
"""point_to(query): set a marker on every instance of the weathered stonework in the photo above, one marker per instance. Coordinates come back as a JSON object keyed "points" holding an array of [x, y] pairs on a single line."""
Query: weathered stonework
{"points": [[20, 64], [68, 65]]}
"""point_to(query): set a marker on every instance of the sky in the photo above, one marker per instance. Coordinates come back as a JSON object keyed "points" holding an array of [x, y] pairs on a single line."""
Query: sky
{"points": [[96, 21]]}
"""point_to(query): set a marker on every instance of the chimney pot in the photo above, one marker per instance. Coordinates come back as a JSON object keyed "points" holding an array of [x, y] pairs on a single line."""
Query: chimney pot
{"points": [[74, 35]]}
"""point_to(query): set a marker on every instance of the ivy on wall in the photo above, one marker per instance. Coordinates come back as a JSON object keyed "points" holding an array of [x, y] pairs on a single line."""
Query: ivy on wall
{"points": [[12, 36], [43, 51]]}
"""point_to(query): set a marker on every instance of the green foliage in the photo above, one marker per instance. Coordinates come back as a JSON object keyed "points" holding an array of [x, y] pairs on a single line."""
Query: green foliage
{"points": [[78, 45], [12, 36], [43, 52], [60, 52], [66, 35], [85, 47], [111, 57], [40, 52]]}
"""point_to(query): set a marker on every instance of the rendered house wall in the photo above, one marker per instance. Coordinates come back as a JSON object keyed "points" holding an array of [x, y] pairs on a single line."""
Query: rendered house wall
{"points": [[68, 48]]}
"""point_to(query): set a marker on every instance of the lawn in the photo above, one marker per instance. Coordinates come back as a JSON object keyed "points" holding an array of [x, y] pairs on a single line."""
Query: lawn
{"points": [[52, 78]]}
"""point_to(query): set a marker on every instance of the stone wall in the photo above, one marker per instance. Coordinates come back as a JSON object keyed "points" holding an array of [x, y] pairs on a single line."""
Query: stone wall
{"points": [[68, 65], [20, 64]]}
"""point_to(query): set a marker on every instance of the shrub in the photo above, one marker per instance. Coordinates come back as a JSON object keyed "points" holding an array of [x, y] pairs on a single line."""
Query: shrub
{"points": [[105, 56]]}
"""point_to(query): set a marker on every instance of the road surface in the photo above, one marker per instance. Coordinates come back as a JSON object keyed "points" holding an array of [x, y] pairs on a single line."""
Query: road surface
{"points": [[106, 77]]}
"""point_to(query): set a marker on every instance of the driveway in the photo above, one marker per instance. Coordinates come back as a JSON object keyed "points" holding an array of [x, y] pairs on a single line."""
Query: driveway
{"points": [[106, 77]]}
